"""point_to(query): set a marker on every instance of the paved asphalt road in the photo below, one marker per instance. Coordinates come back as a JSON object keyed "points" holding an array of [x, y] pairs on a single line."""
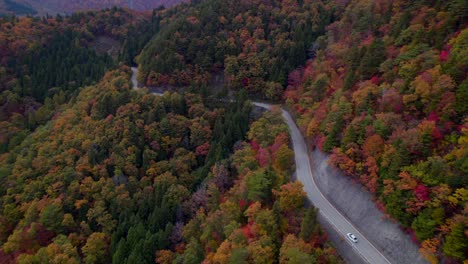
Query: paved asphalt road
{"points": [[363, 247], [304, 174]]}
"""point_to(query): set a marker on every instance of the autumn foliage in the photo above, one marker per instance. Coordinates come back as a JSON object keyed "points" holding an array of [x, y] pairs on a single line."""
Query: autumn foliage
{"points": [[258, 217], [252, 44], [112, 170], [386, 96]]}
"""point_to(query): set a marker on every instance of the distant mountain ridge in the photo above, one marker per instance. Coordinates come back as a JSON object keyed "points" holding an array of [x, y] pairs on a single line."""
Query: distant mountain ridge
{"points": [[15, 7], [42, 7]]}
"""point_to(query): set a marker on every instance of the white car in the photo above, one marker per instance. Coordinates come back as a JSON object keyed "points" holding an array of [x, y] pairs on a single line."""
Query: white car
{"points": [[352, 237]]}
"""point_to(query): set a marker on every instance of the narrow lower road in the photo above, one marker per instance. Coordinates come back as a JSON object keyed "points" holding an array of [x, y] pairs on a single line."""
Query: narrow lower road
{"points": [[134, 77], [368, 252]]}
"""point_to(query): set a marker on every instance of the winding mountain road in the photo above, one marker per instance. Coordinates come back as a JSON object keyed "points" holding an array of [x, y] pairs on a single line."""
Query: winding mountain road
{"points": [[366, 250]]}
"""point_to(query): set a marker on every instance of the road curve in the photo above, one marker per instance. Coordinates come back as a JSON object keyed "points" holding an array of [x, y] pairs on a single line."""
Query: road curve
{"points": [[368, 252]]}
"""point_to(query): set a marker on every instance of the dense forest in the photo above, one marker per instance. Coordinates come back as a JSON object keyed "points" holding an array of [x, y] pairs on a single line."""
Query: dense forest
{"points": [[247, 212], [95, 172], [112, 163], [45, 61], [257, 43], [389, 101], [117, 174]]}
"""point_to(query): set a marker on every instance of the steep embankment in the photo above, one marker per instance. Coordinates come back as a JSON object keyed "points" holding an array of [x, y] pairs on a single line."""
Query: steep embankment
{"points": [[357, 205]]}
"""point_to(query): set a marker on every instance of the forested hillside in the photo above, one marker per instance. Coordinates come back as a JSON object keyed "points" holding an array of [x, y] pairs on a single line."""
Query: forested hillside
{"points": [[256, 43], [98, 173], [384, 92], [53, 7], [387, 96], [247, 212], [45, 61], [110, 164]]}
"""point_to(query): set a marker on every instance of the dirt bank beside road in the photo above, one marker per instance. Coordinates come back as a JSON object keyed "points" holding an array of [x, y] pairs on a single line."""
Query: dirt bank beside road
{"points": [[356, 204]]}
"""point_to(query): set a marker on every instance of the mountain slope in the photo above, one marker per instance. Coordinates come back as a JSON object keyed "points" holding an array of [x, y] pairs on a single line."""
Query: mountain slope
{"points": [[256, 43], [44, 62], [53, 7], [139, 157], [386, 95], [8, 7], [385, 92]]}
